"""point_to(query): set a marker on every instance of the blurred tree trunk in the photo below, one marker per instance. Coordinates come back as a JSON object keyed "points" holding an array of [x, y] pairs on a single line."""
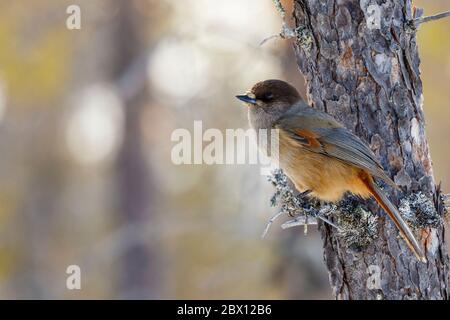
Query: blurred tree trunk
{"points": [[139, 271], [368, 77]]}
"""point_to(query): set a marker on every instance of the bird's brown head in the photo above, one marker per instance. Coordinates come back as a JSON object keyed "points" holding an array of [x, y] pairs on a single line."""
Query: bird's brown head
{"points": [[269, 99], [270, 94]]}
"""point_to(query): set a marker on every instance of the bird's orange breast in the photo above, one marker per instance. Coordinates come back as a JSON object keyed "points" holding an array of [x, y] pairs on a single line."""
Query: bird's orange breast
{"points": [[328, 178]]}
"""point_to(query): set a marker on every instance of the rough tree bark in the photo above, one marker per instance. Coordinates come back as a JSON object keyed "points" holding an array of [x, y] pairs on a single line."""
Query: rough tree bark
{"points": [[369, 78]]}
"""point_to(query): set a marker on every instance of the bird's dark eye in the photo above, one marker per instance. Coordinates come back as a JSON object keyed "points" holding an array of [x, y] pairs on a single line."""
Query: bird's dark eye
{"points": [[268, 96]]}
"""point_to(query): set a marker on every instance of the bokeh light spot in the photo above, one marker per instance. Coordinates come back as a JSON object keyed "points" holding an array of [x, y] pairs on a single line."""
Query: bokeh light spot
{"points": [[178, 69], [95, 128]]}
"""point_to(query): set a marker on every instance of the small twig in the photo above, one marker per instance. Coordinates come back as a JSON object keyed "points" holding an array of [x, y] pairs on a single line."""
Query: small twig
{"points": [[269, 223], [325, 210], [286, 32], [329, 222], [438, 16], [302, 220], [301, 33], [269, 38]]}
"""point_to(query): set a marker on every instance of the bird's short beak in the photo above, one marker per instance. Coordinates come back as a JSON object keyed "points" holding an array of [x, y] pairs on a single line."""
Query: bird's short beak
{"points": [[246, 98]]}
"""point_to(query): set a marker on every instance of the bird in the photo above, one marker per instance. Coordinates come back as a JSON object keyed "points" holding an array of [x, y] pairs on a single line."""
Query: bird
{"points": [[320, 155]]}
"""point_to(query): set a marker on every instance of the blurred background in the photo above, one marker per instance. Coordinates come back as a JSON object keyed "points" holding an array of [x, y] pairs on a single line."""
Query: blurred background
{"points": [[86, 176]]}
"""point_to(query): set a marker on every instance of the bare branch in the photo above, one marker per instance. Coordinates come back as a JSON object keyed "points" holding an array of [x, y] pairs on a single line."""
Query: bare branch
{"points": [[286, 32], [269, 223], [269, 38], [438, 16], [304, 221]]}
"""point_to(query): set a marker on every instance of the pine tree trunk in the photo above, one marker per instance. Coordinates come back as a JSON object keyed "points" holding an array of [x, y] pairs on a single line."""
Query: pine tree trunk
{"points": [[367, 76]]}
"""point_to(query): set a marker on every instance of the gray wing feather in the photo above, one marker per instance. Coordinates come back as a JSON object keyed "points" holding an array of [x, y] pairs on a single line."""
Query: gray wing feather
{"points": [[337, 141], [342, 144]]}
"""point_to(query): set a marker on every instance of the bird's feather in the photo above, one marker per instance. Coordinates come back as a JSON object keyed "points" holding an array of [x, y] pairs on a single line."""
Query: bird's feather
{"points": [[330, 138]]}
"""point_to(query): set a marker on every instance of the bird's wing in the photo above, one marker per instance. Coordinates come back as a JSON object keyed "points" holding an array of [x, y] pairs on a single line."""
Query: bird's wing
{"points": [[321, 133]]}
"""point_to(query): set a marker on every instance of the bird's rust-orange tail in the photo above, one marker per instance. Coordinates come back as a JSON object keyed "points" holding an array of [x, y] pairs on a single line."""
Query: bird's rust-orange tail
{"points": [[393, 213]]}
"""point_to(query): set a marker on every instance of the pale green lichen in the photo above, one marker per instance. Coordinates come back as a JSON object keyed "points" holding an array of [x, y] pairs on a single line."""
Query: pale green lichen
{"points": [[358, 225], [280, 8], [303, 209], [304, 37], [355, 223], [419, 211]]}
